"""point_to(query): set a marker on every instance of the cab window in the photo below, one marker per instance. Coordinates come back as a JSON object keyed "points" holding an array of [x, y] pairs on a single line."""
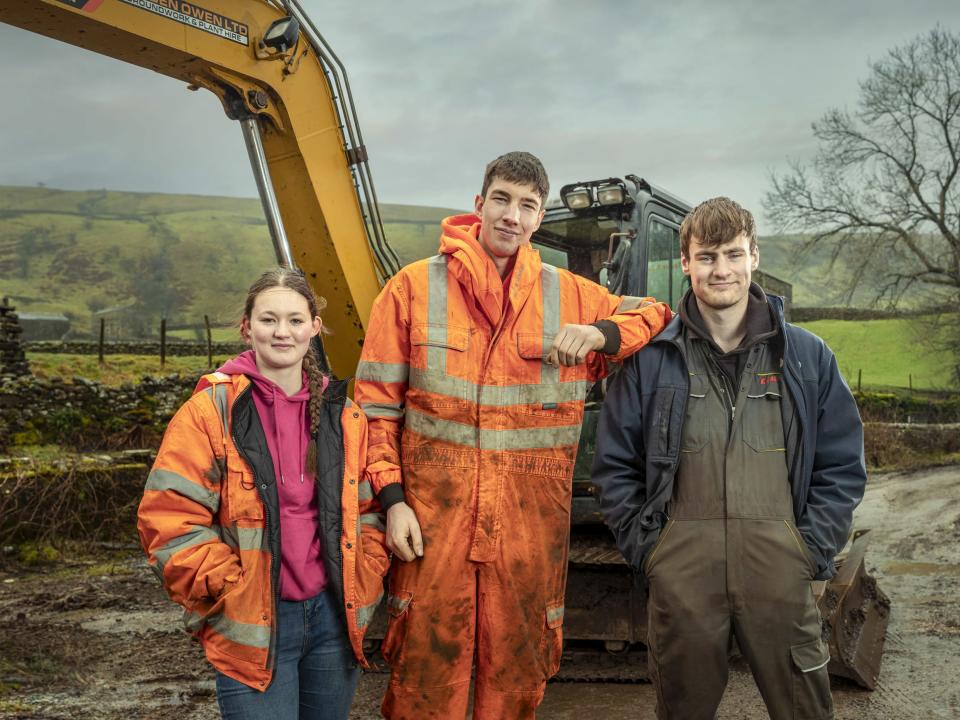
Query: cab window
{"points": [[665, 278]]}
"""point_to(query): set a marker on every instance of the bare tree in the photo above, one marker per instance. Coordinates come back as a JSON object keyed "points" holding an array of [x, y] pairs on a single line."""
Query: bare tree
{"points": [[883, 185]]}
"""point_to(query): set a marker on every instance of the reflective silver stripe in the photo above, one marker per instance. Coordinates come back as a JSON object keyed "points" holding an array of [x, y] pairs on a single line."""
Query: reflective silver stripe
{"points": [[365, 613], [220, 399], [825, 662], [437, 313], [628, 302], [439, 429], [192, 621], [365, 490], [257, 636], [490, 439], [168, 480], [382, 372], [382, 410], [196, 535], [497, 395], [397, 602], [554, 613], [372, 519], [240, 538], [550, 289], [543, 437]]}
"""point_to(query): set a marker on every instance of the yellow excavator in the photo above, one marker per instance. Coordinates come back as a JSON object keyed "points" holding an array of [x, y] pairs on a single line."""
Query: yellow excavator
{"points": [[277, 76]]}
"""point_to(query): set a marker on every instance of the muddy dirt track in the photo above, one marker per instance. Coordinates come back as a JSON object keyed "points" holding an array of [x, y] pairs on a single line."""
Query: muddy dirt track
{"points": [[86, 640]]}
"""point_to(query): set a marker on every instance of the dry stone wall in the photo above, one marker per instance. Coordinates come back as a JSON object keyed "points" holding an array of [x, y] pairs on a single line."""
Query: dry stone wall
{"points": [[13, 361], [85, 415], [134, 347]]}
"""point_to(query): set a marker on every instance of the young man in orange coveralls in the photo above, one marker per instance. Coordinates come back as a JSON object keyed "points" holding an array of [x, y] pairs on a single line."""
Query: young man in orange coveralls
{"points": [[473, 376]]}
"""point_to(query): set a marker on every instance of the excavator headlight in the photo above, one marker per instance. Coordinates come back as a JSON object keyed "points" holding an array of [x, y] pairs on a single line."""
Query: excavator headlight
{"points": [[576, 198], [610, 195], [282, 34]]}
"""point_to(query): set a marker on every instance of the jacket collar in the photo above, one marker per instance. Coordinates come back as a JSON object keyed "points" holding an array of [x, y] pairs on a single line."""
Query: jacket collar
{"points": [[672, 331]]}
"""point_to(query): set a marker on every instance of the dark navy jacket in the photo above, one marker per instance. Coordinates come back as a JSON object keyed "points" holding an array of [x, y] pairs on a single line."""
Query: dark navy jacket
{"points": [[638, 442]]}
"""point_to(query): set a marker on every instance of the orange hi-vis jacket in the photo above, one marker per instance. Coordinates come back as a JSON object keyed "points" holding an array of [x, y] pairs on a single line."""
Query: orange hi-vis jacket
{"points": [[479, 435], [209, 521], [448, 361]]}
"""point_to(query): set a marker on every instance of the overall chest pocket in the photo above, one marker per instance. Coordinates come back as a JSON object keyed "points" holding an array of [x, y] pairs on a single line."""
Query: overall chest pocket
{"points": [[240, 499], [546, 396], [433, 348], [762, 418], [701, 420]]}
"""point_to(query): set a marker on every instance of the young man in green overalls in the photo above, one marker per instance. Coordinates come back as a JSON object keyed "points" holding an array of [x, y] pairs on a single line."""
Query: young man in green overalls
{"points": [[730, 460]]}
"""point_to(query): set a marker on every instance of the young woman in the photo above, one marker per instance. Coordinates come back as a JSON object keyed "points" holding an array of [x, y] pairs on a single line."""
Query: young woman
{"points": [[258, 520]]}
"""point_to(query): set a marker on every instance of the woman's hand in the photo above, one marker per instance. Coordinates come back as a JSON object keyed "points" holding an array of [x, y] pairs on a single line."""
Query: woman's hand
{"points": [[403, 532]]}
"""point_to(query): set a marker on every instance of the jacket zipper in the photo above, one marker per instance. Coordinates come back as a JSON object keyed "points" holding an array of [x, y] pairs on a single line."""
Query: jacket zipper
{"points": [[494, 338], [274, 559]]}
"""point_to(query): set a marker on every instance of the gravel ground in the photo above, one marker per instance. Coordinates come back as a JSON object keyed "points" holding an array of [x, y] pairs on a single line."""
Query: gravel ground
{"points": [[82, 640]]}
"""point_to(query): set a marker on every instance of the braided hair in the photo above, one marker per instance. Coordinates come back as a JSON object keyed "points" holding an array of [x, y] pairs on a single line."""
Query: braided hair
{"points": [[283, 277]]}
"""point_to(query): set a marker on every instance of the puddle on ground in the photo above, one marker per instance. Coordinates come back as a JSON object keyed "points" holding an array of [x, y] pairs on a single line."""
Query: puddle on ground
{"points": [[139, 623], [922, 568]]}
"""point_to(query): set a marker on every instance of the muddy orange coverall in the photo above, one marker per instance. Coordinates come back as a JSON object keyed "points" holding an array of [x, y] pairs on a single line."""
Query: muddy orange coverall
{"points": [[483, 435]]}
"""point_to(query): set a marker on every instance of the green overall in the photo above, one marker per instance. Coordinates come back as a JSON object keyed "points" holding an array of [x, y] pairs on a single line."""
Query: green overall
{"points": [[730, 562]]}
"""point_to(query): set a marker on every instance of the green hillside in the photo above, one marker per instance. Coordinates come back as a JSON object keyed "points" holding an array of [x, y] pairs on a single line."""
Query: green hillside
{"points": [[78, 252], [190, 255], [887, 352]]}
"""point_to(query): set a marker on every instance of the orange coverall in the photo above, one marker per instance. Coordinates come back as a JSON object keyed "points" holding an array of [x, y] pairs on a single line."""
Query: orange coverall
{"points": [[483, 436]]}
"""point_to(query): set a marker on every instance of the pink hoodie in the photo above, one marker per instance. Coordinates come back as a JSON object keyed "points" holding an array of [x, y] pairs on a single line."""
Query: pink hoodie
{"points": [[286, 423]]}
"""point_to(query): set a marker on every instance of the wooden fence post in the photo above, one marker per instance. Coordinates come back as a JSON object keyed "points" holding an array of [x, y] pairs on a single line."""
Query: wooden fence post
{"points": [[859, 379], [206, 321], [163, 342], [103, 323]]}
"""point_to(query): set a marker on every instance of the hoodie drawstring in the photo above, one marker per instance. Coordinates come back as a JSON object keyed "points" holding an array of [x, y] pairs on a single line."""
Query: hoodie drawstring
{"points": [[301, 448]]}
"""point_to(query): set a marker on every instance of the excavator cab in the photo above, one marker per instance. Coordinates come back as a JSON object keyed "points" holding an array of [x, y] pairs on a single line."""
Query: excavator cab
{"points": [[625, 237]]}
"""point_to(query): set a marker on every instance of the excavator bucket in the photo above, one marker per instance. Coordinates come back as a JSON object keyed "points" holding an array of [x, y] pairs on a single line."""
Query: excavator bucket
{"points": [[855, 614]]}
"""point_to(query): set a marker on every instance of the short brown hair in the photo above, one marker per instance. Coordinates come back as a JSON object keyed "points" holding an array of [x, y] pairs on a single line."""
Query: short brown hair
{"points": [[518, 167], [717, 221]]}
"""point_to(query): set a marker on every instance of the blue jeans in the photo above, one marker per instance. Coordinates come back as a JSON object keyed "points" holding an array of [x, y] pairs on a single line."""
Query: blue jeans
{"points": [[315, 675]]}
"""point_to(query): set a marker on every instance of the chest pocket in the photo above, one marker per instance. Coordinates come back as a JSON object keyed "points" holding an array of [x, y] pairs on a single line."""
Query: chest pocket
{"points": [[430, 347], [701, 422], [424, 336], [239, 497], [530, 346], [762, 418], [549, 401]]}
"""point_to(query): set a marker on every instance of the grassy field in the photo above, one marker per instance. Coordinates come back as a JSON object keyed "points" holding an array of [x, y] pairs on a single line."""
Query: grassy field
{"points": [[888, 352]]}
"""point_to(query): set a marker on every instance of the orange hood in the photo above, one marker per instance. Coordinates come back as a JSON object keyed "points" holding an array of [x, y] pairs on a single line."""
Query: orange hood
{"points": [[474, 269]]}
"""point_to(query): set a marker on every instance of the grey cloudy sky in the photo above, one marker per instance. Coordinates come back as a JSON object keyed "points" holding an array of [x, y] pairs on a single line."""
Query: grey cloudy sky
{"points": [[700, 97]]}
